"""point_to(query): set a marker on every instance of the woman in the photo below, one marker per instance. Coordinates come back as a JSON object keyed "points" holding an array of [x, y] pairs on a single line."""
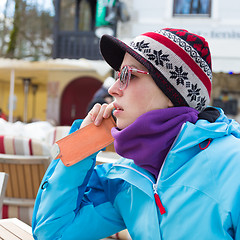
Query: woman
{"points": [[178, 178]]}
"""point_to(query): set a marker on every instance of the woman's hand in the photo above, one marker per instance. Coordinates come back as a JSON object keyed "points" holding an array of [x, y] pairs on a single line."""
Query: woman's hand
{"points": [[97, 114]]}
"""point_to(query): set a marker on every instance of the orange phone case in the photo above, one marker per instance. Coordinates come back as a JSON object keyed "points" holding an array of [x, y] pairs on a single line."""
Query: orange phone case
{"points": [[84, 142]]}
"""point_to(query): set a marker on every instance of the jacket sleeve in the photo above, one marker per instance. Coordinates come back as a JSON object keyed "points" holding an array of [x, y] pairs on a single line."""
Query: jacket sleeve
{"points": [[74, 203]]}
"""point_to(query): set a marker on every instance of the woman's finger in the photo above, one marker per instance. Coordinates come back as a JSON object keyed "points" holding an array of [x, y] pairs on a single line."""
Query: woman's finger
{"points": [[99, 117], [95, 111], [108, 111], [91, 116]]}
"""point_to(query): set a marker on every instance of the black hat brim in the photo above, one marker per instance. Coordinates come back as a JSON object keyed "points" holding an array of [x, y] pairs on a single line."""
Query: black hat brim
{"points": [[113, 51]]}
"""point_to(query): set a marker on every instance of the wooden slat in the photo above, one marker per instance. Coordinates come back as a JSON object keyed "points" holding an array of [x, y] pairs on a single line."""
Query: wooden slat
{"points": [[35, 179], [16, 230], [1, 167], [22, 183], [6, 235], [14, 182], [42, 171], [28, 181]]}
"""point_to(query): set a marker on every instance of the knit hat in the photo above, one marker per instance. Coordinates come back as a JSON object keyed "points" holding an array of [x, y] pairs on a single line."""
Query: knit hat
{"points": [[178, 61]]}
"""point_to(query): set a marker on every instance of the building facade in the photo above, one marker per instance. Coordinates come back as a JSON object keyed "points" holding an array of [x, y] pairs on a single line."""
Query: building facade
{"points": [[58, 90], [216, 20]]}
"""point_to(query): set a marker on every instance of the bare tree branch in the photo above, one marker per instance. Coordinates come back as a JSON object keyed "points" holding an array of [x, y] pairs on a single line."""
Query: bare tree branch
{"points": [[30, 34], [4, 28]]}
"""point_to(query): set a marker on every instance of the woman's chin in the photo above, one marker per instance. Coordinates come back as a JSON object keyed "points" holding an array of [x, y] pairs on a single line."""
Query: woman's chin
{"points": [[122, 124], [118, 125]]}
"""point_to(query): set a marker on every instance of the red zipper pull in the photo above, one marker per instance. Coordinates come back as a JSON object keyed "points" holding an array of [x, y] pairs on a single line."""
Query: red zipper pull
{"points": [[159, 204], [158, 201]]}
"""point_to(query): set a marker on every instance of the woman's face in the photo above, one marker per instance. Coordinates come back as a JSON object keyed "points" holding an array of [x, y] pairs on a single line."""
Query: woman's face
{"points": [[141, 95]]}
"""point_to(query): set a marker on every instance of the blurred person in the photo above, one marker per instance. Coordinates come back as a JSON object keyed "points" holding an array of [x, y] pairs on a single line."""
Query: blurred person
{"points": [[178, 177], [102, 96]]}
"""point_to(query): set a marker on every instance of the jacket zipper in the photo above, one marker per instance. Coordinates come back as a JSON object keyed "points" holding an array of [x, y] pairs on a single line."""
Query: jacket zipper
{"points": [[156, 196]]}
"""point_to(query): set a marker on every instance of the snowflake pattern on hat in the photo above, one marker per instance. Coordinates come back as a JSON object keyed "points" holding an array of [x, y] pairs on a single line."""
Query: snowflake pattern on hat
{"points": [[193, 92], [140, 45], [165, 61], [179, 75], [158, 56]]}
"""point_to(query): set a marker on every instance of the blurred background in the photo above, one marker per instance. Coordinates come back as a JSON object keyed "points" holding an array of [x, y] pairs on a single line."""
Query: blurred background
{"points": [[51, 67]]}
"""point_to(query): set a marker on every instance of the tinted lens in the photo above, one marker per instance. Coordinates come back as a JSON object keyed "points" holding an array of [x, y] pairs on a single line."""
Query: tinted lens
{"points": [[124, 75]]}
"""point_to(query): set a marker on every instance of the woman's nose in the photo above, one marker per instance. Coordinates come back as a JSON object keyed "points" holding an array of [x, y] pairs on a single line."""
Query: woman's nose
{"points": [[115, 89]]}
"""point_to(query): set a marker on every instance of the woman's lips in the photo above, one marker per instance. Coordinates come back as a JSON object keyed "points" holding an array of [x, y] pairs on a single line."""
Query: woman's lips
{"points": [[118, 109]]}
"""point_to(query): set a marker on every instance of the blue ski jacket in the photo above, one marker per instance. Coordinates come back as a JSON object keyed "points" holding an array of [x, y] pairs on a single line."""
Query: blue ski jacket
{"points": [[198, 187]]}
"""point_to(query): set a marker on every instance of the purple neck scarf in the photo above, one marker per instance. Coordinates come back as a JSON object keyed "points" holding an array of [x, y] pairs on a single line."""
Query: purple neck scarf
{"points": [[148, 140]]}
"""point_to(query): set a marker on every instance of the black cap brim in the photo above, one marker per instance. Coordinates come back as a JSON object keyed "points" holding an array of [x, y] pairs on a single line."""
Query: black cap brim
{"points": [[113, 51]]}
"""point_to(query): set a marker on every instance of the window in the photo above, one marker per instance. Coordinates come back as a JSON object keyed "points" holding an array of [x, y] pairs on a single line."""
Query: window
{"points": [[192, 8], [67, 14], [77, 15], [85, 16]]}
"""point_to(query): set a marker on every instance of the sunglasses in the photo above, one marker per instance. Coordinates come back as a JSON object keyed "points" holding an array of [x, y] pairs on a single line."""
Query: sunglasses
{"points": [[124, 75]]}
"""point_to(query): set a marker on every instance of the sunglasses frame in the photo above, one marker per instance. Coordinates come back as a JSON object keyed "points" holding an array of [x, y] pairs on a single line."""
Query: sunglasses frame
{"points": [[126, 71]]}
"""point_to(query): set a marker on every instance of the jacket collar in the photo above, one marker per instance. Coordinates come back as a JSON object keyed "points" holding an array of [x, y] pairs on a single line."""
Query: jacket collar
{"points": [[187, 143], [126, 169]]}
